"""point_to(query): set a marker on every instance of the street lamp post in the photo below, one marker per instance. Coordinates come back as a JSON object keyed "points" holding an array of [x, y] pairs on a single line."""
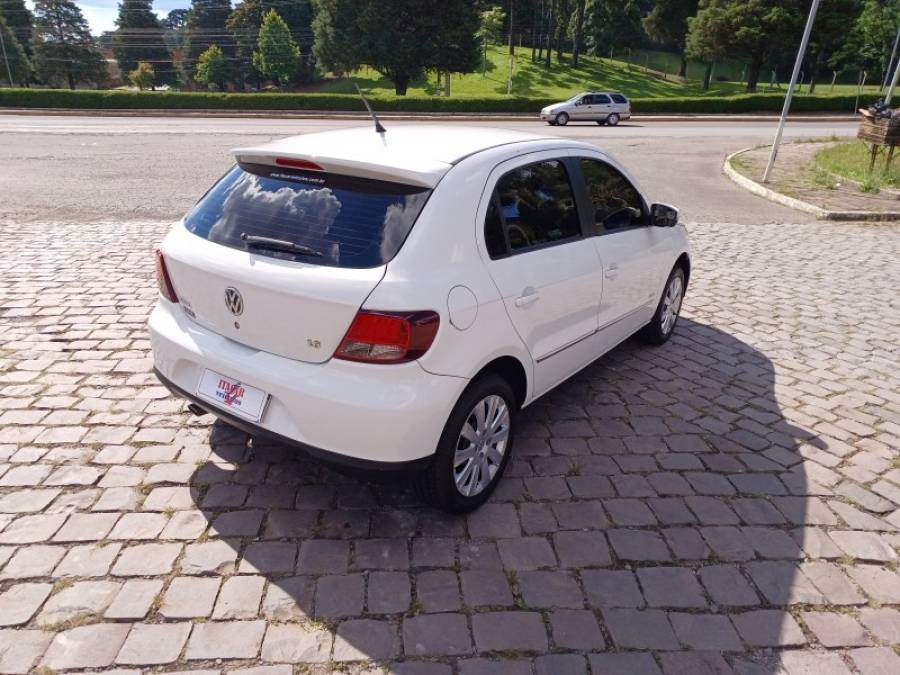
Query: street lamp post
{"points": [[6, 58], [790, 92], [890, 91], [887, 73]]}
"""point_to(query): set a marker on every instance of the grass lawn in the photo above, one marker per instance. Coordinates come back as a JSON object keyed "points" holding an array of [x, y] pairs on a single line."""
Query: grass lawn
{"points": [[560, 82], [851, 160]]}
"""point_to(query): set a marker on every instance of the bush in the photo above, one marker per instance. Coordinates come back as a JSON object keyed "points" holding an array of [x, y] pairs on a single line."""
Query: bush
{"points": [[173, 100]]}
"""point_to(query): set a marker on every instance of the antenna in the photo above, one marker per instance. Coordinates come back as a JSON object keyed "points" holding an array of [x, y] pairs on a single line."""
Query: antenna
{"points": [[378, 128]]}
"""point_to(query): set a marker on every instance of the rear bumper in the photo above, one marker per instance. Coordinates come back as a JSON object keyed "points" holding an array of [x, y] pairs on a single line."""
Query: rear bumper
{"points": [[379, 417]]}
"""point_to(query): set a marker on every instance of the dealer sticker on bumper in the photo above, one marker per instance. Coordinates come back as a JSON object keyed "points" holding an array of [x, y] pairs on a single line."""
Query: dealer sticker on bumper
{"points": [[232, 395]]}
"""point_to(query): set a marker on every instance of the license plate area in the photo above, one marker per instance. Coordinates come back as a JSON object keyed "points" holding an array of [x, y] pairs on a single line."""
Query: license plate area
{"points": [[232, 395]]}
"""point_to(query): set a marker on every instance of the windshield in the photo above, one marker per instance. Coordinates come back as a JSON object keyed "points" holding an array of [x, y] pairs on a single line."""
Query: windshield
{"points": [[346, 221]]}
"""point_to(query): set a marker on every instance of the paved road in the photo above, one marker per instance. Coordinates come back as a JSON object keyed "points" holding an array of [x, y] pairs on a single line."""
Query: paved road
{"points": [[124, 168], [727, 503]]}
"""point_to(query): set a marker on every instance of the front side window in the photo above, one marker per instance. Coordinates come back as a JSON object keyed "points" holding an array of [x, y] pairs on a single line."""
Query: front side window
{"points": [[536, 206], [339, 221], [615, 201]]}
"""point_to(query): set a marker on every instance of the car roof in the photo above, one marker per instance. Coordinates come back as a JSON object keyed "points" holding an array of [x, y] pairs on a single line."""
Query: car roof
{"points": [[414, 153]]}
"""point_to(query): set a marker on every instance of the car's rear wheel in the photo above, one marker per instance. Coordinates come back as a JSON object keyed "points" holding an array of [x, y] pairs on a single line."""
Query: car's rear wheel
{"points": [[612, 120], [562, 119], [660, 328], [474, 448]]}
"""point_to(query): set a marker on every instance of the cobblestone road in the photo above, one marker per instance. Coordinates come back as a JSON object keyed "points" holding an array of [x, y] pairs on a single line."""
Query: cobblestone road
{"points": [[730, 501]]}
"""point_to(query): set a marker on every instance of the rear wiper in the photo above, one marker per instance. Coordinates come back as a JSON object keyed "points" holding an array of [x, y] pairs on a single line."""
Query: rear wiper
{"points": [[253, 241]]}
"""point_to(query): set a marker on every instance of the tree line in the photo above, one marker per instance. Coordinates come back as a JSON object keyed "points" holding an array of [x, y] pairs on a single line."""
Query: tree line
{"points": [[287, 43]]}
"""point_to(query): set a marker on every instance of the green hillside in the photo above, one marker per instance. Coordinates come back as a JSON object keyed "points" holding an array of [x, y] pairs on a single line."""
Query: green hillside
{"points": [[560, 82]]}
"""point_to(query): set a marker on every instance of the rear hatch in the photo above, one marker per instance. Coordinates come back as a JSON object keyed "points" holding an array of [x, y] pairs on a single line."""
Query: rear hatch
{"points": [[281, 259]]}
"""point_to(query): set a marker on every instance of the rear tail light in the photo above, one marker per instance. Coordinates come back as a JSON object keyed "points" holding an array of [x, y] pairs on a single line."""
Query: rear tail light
{"points": [[388, 337], [298, 163], [162, 278]]}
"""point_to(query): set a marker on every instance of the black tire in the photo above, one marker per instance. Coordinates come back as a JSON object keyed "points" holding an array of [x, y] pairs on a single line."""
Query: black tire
{"points": [[436, 484], [552, 123], [658, 331], [562, 119], [601, 122], [613, 119]]}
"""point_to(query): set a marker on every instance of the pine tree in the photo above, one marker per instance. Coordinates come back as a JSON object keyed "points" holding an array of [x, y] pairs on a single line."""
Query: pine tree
{"points": [[338, 35], [454, 40], [20, 21], [139, 38], [667, 24], [278, 54], [14, 62], [246, 19], [64, 50], [394, 41], [758, 30], [213, 69], [205, 28]]}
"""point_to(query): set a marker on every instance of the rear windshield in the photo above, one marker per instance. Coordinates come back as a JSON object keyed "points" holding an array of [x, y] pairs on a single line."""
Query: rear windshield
{"points": [[350, 222]]}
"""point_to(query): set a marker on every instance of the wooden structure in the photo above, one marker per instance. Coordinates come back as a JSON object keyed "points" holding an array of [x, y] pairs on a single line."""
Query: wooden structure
{"points": [[883, 133]]}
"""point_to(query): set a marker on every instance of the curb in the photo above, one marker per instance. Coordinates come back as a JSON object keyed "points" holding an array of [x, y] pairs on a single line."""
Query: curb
{"points": [[356, 115], [823, 214]]}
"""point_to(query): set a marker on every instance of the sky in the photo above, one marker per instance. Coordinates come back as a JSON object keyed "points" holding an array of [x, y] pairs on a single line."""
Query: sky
{"points": [[101, 14]]}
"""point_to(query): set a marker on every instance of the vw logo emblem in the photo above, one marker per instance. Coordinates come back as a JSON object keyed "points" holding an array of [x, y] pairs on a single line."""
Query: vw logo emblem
{"points": [[234, 301]]}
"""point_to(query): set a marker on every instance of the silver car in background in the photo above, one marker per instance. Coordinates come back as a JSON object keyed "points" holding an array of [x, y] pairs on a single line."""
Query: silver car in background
{"points": [[602, 107]]}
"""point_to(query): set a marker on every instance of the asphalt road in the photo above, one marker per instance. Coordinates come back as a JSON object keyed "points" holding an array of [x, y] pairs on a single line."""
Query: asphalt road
{"points": [[81, 168]]}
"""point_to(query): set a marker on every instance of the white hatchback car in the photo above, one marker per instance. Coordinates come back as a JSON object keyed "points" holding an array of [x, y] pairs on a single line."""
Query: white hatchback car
{"points": [[392, 301]]}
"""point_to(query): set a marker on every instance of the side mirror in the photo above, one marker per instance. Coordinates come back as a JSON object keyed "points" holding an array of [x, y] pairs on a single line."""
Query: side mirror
{"points": [[578, 102], [663, 215]]}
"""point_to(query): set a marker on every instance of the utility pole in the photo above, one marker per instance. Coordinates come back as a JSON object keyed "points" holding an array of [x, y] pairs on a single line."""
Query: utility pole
{"points": [[790, 92], [512, 48], [890, 91], [6, 58], [887, 72]]}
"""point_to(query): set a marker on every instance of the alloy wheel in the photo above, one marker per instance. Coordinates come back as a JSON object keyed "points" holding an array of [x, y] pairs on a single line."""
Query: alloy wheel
{"points": [[481, 445], [671, 304]]}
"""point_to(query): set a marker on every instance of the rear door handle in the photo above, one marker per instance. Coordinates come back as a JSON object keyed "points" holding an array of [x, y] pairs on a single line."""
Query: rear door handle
{"points": [[612, 271], [529, 295]]}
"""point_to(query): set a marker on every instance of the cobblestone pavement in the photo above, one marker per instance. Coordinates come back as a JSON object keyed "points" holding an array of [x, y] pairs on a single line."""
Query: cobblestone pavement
{"points": [[726, 502]]}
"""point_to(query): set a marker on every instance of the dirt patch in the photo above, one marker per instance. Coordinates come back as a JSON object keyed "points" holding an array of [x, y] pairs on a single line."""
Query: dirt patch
{"points": [[795, 175]]}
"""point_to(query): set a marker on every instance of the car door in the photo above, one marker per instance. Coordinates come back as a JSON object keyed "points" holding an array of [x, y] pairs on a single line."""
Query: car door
{"points": [[601, 108], [633, 254], [581, 109], [546, 271], [620, 105]]}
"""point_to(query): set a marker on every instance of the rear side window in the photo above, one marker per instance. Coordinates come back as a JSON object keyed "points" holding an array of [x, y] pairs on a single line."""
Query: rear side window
{"points": [[535, 205], [601, 99], [349, 222], [615, 201], [618, 98]]}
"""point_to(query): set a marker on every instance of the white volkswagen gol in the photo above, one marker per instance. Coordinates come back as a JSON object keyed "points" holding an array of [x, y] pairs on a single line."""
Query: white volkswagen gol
{"points": [[393, 300]]}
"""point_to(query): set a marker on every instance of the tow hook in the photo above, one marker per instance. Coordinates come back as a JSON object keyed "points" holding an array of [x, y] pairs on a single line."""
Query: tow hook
{"points": [[196, 409]]}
